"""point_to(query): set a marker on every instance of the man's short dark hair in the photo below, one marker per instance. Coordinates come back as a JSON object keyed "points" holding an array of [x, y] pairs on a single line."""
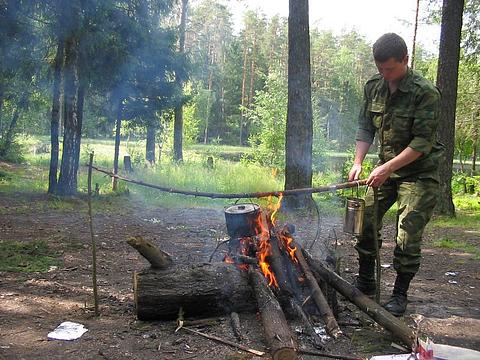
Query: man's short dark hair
{"points": [[388, 46]]}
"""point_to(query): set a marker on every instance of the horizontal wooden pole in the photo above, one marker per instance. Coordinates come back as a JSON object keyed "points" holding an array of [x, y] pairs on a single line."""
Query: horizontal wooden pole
{"points": [[277, 193]]}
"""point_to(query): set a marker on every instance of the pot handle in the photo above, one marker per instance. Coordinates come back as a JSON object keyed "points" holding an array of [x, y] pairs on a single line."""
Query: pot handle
{"points": [[236, 201]]}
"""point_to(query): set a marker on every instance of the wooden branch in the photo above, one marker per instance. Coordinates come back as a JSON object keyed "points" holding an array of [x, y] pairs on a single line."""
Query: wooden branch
{"points": [[327, 355], [316, 340], [157, 258], [277, 193], [94, 246], [237, 328], [397, 327], [317, 295], [277, 332], [225, 341]]}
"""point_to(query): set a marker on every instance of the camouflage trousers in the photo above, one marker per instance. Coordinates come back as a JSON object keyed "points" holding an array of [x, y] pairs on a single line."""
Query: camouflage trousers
{"points": [[415, 200]]}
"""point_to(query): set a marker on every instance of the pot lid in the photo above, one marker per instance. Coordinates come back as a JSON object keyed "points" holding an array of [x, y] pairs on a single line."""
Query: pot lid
{"points": [[241, 208]]}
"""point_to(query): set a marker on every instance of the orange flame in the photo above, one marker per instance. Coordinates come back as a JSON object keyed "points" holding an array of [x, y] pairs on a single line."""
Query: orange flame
{"points": [[265, 250], [287, 241], [228, 260]]}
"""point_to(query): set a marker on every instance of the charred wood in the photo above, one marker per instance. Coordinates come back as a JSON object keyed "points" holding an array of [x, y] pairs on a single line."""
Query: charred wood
{"points": [[317, 295], [237, 328]]}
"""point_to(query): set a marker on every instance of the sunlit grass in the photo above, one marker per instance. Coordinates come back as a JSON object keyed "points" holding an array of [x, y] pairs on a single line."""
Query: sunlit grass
{"points": [[459, 245], [467, 214]]}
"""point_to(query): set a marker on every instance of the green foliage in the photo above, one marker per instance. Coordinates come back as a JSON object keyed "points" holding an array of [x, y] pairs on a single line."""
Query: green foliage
{"points": [[465, 184], [268, 115], [28, 257]]}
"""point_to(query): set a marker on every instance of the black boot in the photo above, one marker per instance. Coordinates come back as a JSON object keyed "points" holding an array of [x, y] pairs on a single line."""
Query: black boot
{"points": [[398, 302], [365, 281]]}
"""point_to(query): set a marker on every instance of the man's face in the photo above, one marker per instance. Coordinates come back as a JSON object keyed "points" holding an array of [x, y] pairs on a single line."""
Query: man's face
{"points": [[392, 70]]}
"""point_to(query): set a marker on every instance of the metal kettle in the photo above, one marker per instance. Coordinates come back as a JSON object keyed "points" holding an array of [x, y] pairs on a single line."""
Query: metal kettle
{"points": [[354, 214]]}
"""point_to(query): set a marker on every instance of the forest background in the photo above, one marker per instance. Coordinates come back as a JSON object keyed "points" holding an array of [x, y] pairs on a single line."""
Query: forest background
{"points": [[129, 72]]}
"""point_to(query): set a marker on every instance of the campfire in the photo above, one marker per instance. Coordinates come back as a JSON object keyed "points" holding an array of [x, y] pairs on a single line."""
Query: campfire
{"points": [[258, 243], [264, 270]]}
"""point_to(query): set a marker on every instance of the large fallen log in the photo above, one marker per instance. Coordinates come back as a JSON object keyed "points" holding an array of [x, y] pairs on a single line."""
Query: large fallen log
{"points": [[397, 327], [200, 289], [278, 336]]}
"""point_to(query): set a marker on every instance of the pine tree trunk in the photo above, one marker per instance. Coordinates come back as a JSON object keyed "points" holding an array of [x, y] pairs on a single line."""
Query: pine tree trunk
{"points": [[178, 123], [150, 147], [299, 134], [55, 118], [447, 82], [67, 182], [118, 126], [1, 105], [474, 150], [414, 44], [7, 143], [244, 81]]}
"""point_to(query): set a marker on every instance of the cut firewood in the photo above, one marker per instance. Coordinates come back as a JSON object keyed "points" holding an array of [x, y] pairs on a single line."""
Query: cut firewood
{"points": [[397, 327], [200, 289], [278, 335], [235, 322], [316, 340], [157, 258], [317, 295]]}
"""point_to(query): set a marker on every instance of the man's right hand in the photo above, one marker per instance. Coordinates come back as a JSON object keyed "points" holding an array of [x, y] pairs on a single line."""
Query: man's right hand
{"points": [[355, 171]]}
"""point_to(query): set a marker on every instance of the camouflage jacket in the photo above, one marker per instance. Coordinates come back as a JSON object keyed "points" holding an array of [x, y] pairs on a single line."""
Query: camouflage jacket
{"points": [[408, 118]]}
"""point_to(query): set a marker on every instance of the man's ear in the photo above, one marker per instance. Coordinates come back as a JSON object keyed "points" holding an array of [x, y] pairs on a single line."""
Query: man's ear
{"points": [[405, 60]]}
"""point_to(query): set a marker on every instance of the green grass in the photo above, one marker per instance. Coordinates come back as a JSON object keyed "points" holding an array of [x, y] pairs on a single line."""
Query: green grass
{"points": [[467, 214], [459, 245], [29, 257]]}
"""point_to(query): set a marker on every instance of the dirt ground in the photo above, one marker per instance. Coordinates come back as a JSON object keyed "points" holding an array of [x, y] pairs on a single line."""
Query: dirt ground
{"points": [[33, 304]]}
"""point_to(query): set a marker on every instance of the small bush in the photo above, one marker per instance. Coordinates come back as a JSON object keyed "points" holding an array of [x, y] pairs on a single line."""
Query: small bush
{"points": [[13, 153]]}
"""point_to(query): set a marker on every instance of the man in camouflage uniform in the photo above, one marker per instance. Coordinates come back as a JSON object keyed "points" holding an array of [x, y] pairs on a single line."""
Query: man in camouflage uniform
{"points": [[401, 108]]}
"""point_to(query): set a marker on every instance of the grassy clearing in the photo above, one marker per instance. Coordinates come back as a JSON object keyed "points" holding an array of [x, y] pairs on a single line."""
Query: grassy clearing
{"points": [[29, 257], [459, 245]]}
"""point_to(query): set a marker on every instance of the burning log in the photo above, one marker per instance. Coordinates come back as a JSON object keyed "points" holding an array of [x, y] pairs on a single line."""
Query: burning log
{"points": [[200, 289], [157, 258], [277, 332], [397, 327]]}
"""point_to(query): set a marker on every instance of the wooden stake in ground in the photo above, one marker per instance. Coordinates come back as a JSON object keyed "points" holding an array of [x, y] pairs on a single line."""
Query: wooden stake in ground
{"points": [[278, 336], [94, 247], [397, 327]]}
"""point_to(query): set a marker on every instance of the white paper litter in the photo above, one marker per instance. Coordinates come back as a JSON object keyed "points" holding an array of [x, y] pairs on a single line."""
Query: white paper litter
{"points": [[393, 357], [451, 273], [67, 330]]}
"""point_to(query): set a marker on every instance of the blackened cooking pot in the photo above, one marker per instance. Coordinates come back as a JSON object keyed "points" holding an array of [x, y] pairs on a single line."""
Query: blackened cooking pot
{"points": [[242, 220]]}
